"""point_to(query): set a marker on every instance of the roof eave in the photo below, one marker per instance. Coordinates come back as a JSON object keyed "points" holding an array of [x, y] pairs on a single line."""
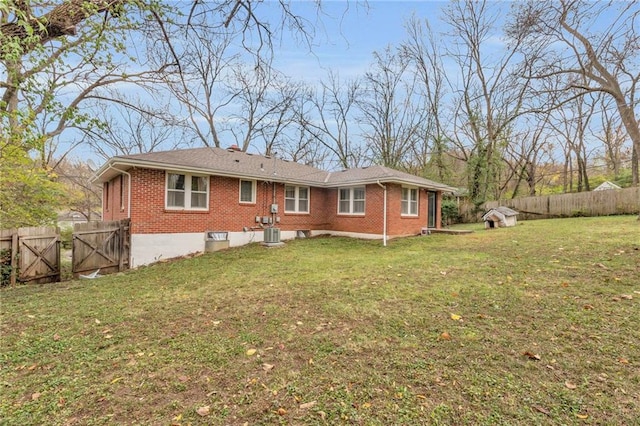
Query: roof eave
{"points": [[373, 181], [124, 164], [118, 164]]}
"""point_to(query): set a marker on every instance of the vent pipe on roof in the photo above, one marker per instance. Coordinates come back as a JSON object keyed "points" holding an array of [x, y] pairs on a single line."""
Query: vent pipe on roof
{"points": [[233, 148]]}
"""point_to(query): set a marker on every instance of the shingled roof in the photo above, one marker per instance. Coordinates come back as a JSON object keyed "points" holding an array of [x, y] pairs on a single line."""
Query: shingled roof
{"points": [[234, 163]]}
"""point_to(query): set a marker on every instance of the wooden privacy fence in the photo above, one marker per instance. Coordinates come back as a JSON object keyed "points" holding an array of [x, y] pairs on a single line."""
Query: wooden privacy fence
{"points": [[100, 246], [30, 254], [594, 203]]}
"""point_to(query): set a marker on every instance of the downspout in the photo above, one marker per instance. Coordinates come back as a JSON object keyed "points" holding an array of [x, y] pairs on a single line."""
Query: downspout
{"points": [[128, 190], [384, 215]]}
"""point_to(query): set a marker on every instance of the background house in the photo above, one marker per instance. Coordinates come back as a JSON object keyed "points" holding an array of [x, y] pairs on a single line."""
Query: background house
{"points": [[174, 197]]}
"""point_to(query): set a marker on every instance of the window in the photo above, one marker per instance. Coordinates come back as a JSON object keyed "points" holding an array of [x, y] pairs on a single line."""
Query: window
{"points": [[351, 200], [410, 201], [247, 191], [296, 199], [187, 191]]}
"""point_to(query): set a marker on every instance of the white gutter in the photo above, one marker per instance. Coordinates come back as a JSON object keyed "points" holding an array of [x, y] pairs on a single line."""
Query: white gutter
{"points": [[384, 215], [128, 190]]}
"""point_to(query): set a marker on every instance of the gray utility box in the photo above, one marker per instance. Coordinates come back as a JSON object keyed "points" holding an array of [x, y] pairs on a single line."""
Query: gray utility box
{"points": [[216, 240], [271, 235]]}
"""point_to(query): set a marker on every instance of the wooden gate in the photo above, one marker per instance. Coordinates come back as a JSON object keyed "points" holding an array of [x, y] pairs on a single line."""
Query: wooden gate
{"points": [[100, 246], [33, 254]]}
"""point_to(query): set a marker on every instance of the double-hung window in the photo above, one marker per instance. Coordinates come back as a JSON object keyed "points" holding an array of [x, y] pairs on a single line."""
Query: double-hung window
{"points": [[248, 191], [296, 199], [188, 192], [410, 201], [351, 200]]}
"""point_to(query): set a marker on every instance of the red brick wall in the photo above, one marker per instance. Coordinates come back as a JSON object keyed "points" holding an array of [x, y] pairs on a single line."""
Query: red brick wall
{"points": [[226, 213], [115, 199], [369, 223], [404, 225]]}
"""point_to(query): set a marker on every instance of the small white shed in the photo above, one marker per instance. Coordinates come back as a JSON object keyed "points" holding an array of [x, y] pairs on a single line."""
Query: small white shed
{"points": [[500, 217]]}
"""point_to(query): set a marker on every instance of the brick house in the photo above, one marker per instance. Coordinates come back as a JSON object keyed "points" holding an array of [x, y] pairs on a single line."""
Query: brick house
{"points": [[174, 197]]}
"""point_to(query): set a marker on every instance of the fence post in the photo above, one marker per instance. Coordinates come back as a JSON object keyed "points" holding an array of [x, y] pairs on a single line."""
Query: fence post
{"points": [[14, 258], [121, 242]]}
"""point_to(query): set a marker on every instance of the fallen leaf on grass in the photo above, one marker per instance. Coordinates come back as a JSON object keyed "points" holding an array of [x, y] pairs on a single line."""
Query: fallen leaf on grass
{"points": [[184, 379], [456, 317], [251, 352], [588, 307], [56, 337], [601, 266], [281, 411], [582, 416], [626, 296], [116, 380], [445, 336], [35, 396], [203, 411], [541, 410], [570, 385], [307, 405], [532, 356], [267, 367], [623, 361]]}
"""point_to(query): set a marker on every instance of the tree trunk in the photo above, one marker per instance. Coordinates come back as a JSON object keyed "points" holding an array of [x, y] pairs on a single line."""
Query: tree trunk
{"points": [[61, 21]]}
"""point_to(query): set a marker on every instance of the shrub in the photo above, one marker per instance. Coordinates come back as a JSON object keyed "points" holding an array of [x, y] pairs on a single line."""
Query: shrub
{"points": [[450, 212]]}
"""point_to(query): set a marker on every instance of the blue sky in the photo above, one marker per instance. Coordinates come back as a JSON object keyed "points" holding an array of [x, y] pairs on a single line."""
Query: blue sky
{"points": [[348, 34]]}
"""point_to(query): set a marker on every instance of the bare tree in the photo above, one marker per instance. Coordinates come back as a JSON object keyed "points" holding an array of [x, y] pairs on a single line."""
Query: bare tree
{"points": [[422, 49], [571, 123], [199, 85], [81, 195], [560, 37], [333, 117], [614, 138], [135, 129], [526, 152], [264, 101], [491, 97], [391, 108]]}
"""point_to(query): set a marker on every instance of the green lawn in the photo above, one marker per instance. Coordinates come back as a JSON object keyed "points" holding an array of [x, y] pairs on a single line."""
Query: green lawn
{"points": [[533, 325]]}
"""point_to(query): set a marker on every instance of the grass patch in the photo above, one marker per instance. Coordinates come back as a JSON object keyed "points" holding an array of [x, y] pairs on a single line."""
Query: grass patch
{"points": [[342, 331]]}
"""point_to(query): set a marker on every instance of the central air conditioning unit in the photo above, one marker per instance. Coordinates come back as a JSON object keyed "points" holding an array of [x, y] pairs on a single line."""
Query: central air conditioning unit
{"points": [[271, 235]]}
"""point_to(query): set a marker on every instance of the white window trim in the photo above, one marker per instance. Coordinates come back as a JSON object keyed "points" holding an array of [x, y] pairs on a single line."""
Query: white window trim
{"points": [[351, 200], [253, 191], [297, 199], [187, 192], [417, 201]]}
